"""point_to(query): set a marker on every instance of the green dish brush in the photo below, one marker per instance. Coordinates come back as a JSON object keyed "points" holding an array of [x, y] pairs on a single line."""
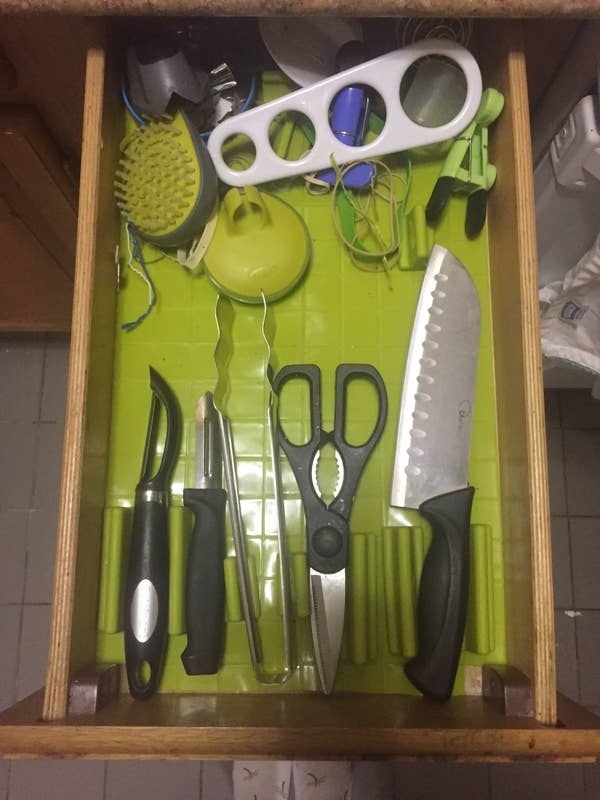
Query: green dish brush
{"points": [[165, 183]]}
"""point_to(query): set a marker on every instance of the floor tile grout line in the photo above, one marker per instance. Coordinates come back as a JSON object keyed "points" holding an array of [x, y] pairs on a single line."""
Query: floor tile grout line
{"points": [[36, 452], [571, 568], [21, 621], [42, 381], [19, 641], [563, 465], [559, 409], [566, 491], [26, 575], [105, 780], [8, 777]]}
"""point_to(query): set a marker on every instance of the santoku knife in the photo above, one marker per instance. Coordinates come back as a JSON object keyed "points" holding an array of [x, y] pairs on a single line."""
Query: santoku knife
{"points": [[432, 459]]}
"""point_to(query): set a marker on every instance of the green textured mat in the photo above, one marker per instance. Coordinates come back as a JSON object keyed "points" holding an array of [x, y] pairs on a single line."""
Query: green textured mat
{"points": [[337, 314]]}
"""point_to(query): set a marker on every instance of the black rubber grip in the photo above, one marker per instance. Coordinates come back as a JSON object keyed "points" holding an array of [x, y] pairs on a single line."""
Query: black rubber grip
{"points": [[147, 598], [205, 582], [438, 199], [443, 594], [476, 213]]}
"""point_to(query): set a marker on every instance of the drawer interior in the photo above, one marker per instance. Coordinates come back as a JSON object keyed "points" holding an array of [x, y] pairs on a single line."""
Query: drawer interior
{"points": [[315, 324], [510, 622]]}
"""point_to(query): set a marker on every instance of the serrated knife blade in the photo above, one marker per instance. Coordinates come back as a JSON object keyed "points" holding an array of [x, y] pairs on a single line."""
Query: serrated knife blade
{"points": [[431, 460]]}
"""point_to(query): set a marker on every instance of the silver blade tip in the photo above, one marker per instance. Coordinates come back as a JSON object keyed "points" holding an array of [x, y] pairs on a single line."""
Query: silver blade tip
{"points": [[206, 407], [328, 596]]}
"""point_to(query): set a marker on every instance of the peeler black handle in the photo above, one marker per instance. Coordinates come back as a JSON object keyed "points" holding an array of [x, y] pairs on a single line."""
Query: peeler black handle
{"points": [[147, 594], [205, 582]]}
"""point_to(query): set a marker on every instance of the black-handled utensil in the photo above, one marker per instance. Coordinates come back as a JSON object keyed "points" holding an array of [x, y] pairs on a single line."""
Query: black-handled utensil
{"points": [[327, 523], [443, 594], [147, 583], [432, 461], [205, 581]]}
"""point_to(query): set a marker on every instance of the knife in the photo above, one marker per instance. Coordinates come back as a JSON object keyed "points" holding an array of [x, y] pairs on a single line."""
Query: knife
{"points": [[432, 459], [205, 579]]}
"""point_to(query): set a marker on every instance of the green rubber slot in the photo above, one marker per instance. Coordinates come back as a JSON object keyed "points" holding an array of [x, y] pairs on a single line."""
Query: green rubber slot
{"points": [[407, 583], [390, 587], [372, 572], [115, 545], [179, 532], [337, 314], [490, 580], [417, 238], [359, 598], [420, 545], [404, 552], [480, 615], [301, 595], [254, 585], [276, 591]]}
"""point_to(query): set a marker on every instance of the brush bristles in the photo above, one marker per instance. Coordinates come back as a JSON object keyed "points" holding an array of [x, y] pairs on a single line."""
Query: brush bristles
{"points": [[155, 182]]}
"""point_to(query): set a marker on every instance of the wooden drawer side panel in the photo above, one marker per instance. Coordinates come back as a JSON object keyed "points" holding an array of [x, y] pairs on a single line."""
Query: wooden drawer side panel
{"points": [[73, 627], [541, 546], [524, 481]]}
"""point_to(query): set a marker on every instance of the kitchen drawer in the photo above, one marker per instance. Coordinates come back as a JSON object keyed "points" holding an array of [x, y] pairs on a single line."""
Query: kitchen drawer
{"points": [[287, 725]]}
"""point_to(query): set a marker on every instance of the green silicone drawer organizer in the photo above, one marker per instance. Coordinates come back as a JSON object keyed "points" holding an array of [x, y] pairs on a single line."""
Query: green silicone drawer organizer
{"points": [[337, 314]]}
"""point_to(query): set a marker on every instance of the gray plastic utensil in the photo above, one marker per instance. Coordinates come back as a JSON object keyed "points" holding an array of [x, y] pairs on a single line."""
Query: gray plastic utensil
{"points": [[154, 77]]}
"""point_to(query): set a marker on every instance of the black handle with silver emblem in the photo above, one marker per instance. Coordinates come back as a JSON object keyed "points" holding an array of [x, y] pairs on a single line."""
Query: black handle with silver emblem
{"points": [[147, 583]]}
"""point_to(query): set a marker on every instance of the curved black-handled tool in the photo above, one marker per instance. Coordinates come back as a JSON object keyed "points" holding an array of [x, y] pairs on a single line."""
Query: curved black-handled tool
{"points": [[147, 583]]}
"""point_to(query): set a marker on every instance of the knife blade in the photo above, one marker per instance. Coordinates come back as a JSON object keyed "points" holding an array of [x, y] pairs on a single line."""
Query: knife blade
{"points": [[205, 580], [432, 459]]}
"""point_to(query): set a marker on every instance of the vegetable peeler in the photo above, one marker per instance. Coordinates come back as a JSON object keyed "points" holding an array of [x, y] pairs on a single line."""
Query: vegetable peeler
{"points": [[467, 169], [147, 584]]}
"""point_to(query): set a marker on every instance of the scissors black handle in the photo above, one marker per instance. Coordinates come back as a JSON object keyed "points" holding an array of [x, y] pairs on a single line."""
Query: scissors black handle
{"points": [[327, 526], [354, 457]]}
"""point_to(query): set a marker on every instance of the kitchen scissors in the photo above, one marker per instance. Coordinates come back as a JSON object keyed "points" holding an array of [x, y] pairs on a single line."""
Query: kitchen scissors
{"points": [[327, 524]]}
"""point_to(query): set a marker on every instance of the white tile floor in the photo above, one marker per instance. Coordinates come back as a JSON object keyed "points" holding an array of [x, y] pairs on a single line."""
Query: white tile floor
{"points": [[32, 396]]}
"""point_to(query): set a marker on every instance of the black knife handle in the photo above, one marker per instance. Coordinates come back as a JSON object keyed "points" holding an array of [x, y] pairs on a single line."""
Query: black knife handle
{"points": [[443, 594], [147, 597], [205, 582]]}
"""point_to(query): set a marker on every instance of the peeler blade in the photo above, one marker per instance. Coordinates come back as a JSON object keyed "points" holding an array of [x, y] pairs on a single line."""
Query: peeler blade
{"points": [[162, 394]]}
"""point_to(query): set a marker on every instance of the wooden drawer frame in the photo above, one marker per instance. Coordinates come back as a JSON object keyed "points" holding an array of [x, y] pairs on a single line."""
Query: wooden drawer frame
{"points": [[225, 726]]}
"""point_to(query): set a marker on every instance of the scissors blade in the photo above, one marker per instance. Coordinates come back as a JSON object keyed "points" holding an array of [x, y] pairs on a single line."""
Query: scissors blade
{"points": [[328, 600]]}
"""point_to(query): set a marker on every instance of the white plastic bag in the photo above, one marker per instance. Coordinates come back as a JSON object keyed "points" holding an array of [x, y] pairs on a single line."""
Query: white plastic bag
{"points": [[570, 316]]}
